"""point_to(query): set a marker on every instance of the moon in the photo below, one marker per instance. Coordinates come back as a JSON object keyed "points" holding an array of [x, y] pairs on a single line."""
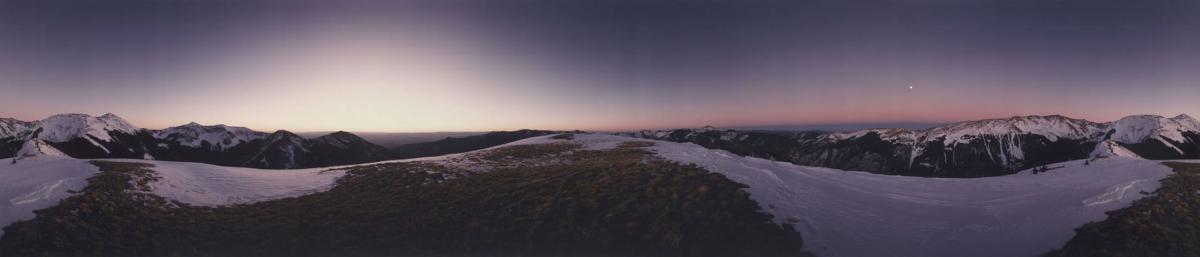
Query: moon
{"points": [[910, 87]]}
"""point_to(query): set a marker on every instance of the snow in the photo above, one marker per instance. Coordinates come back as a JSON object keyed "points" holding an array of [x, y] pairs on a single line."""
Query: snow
{"points": [[10, 128], [847, 213], [211, 185], [892, 134], [1139, 128], [65, 127], [37, 147], [38, 182], [1109, 148], [1052, 127], [839, 213], [218, 136]]}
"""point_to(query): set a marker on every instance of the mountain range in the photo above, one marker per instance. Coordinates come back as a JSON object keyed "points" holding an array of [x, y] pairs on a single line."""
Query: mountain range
{"points": [[110, 136], [979, 148]]}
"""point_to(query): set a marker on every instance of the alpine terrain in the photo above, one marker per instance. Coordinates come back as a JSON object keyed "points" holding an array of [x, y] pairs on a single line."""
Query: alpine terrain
{"points": [[110, 136], [966, 149], [563, 194]]}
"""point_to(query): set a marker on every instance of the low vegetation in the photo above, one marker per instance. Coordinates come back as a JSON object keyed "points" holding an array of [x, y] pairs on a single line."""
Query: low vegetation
{"points": [[463, 144], [618, 202], [1166, 223]]}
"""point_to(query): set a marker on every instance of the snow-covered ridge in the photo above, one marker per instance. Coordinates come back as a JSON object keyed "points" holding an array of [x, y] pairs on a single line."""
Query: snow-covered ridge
{"points": [[1109, 148], [38, 182], [37, 147], [840, 213], [1053, 127], [218, 136], [1139, 128], [65, 127], [14, 128], [848, 213], [211, 185], [890, 134]]}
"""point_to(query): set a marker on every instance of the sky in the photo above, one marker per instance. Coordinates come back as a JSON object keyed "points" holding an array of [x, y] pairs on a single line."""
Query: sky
{"points": [[462, 65]]}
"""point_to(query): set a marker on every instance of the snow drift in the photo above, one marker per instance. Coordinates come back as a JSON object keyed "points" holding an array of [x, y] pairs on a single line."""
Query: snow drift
{"points": [[38, 182]]}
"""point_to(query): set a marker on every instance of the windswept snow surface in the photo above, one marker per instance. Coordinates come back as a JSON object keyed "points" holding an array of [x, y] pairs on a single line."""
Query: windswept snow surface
{"points": [[211, 185], [846, 213], [37, 147], [1109, 148], [38, 182]]}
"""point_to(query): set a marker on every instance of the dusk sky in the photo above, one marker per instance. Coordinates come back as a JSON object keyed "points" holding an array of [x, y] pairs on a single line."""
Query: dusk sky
{"points": [[408, 66]]}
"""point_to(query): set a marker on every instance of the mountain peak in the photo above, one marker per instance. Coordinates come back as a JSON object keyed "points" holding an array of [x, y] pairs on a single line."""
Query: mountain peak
{"points": [[218, 136], [14, 128], [1184, 118], [340, 133], [340, 138], [284, 135], [1052, 127], [68, 126]]}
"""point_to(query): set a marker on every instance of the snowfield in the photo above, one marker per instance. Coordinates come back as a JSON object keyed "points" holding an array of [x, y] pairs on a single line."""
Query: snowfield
{"points": [[839, 213], [211, 185], [845, 213], [38, 182]]}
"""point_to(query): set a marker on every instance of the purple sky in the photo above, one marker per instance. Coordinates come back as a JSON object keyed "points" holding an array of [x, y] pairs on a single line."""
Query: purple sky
{"points": [[406, 66]]}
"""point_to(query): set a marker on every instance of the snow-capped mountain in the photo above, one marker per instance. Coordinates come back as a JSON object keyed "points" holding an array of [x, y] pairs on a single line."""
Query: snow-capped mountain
{"points": [[965, 149], [1157, 137], [217, 137], [14, 128], [66, 127], [78, 135], [110, 136]]}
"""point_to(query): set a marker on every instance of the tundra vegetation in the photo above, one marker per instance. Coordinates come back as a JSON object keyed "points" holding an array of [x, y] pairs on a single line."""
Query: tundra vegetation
{"points": [[616, 202]]}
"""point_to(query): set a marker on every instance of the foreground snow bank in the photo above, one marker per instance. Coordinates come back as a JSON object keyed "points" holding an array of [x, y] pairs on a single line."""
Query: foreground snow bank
{"points": [[38, 182], [846, 213], [211, 185]]}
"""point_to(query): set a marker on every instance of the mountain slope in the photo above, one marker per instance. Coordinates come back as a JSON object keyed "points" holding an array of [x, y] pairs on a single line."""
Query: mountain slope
{"points": [[35, 148], [848, 213], [1157, 137], [280, 150], [561, 201], [589, 194], [967, 149], [344, 147], [217, 137], [38, 182], [14, 128], [110, 136], [463, 144]]}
